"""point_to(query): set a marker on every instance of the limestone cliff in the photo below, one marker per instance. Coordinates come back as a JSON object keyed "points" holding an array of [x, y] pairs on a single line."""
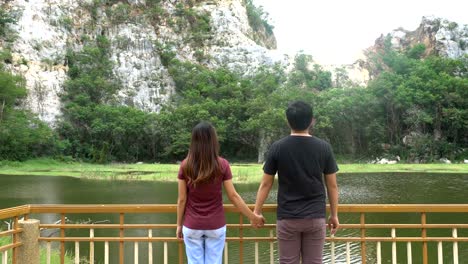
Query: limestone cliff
{"points": [[212, 33], [440, 37]]}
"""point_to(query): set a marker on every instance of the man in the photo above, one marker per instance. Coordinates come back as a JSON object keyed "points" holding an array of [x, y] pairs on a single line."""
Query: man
{"points": [[302, 161]]}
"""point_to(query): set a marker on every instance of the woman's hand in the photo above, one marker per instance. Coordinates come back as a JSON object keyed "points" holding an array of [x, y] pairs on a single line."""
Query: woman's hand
{"points": [[257, 220], [179, 232]]}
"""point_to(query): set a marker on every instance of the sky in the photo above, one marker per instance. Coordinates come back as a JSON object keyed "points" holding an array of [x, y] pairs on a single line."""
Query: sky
{"points": [[336, 31]]}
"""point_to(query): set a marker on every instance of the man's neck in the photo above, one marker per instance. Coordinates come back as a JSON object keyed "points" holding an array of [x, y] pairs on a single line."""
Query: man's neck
{"points": [[303, 133]]}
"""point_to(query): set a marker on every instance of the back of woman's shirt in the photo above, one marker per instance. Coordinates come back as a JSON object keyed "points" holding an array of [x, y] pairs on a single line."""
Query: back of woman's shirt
{"points": [[204, 207]]}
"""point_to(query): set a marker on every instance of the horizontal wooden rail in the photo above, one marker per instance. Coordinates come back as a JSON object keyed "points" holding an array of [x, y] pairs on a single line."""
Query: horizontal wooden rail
{"points": [[266, 226], [403, 208], [137, 226], [228, 208], [10, 232], [403, 226], [14, 211], [104, 208], [10, 246], [174, 239]]}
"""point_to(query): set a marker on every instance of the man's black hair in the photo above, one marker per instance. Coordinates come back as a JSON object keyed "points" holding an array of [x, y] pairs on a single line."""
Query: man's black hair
{"points": [[299, 115]]}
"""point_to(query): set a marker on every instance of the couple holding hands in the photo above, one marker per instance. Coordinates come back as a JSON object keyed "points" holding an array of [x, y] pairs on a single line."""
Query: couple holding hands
{"points": [[306, 169]]}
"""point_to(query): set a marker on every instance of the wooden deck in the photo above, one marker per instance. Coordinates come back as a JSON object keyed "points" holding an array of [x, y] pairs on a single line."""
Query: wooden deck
{"points": [[245, 239]]}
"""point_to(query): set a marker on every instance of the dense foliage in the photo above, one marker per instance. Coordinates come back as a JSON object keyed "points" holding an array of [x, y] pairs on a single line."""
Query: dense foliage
{"points": [[424, 104]]}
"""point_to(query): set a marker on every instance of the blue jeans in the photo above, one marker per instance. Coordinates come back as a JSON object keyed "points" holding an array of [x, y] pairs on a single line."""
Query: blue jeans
{"points": [[204, 246]]}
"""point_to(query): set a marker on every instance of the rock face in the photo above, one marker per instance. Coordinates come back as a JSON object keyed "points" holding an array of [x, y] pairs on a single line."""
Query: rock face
{"points": [[39, 55], [47, 28], [440, 37]]}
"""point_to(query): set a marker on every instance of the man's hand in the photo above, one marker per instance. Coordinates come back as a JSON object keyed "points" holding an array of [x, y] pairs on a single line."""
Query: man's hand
{"points": [[333, 224], [179, 232], [257, 221]]}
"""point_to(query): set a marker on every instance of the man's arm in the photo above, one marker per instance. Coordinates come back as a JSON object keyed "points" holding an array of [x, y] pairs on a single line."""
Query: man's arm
{"points": [[332, 191], [263, 191]]}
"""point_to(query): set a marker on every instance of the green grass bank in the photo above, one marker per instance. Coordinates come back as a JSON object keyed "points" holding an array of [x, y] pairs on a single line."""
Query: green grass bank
{"points": [[242, 173]]}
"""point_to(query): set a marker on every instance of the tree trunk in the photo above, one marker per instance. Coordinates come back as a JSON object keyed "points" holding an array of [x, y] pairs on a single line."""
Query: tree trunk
{"points": [[438, 124], [351, 141], [263, 144], [2, 107]]}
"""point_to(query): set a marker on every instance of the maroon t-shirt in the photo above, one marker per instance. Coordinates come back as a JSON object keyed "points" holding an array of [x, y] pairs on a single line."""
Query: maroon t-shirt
{"points": [[204, 207]]}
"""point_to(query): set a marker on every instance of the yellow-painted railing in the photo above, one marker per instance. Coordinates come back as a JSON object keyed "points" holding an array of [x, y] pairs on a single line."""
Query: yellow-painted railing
{"points": [[360, 227]]}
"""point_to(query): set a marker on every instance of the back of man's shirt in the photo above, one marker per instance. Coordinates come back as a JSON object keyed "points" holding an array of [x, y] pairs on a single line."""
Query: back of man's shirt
{"points": [[300, 162]]}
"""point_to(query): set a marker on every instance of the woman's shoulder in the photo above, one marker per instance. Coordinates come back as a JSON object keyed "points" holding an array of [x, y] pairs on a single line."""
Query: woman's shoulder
{"points": [[183, 162], [223, 161]]}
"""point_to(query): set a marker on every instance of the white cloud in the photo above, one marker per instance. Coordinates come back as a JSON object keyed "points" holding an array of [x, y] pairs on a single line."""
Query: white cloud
{"points": [[335, 31]]}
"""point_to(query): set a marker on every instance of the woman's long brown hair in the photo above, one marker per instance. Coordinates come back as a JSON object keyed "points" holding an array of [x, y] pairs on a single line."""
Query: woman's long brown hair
{"points": [[201, 164]]}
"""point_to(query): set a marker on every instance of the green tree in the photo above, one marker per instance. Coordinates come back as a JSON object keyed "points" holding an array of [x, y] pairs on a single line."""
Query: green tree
{"points": [[88, 122], [423, 97], [258, 18], [310, 78], [12, 89], [351, 120], [22, 135]]}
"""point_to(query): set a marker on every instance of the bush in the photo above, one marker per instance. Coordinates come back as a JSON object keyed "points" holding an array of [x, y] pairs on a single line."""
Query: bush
{"points": [[5, 19], [452, 25], [5, 56], [66, 22], [120, 13], [416, 51], [166, 53], [23, 136], [258, 18]]}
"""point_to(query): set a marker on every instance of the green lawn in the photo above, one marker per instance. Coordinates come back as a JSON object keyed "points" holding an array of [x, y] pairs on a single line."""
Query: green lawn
{"points": [[167, 172]]}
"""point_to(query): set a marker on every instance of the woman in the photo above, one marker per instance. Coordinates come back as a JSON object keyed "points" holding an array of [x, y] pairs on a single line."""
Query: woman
{"points": [[200, 214]]}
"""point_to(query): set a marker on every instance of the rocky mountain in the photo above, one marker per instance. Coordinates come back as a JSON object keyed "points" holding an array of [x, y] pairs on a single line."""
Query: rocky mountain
{"points": [[212, 33], [439, 36], [142, 32]]}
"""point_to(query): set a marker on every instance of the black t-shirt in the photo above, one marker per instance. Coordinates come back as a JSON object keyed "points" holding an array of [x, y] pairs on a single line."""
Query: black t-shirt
{"points": [[300, 162]]}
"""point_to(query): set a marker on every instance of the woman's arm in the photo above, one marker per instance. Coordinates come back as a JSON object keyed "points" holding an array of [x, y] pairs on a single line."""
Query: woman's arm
{"points": [[181, 201], [235, 199]]}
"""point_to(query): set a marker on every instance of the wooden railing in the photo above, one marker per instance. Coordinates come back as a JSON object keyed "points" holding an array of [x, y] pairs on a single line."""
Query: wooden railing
{"points": [[246, 239]]}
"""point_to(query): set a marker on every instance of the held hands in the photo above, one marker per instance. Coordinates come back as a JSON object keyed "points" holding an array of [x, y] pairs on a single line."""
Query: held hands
{"points": [[257, 220], [179, 232], [333, 224]]}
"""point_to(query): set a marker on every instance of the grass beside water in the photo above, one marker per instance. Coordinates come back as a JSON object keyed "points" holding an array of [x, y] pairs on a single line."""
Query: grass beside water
{"points": [[54, 254], [242, 173]]}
